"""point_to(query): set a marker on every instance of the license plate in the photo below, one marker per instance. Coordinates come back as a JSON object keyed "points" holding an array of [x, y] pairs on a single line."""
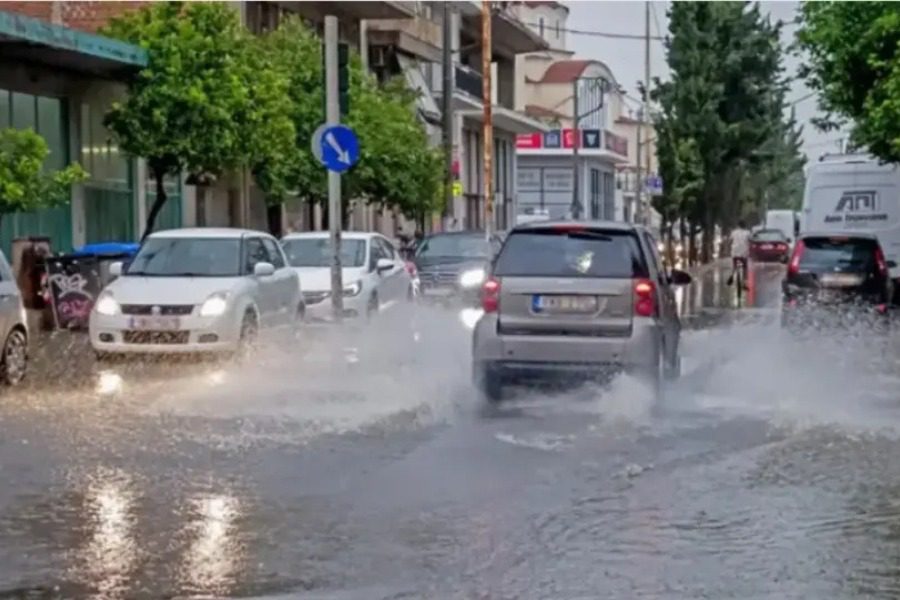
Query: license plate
{"points": [[766, 246], [840, 279], [440, 292], [155, 323], [564, 304]]}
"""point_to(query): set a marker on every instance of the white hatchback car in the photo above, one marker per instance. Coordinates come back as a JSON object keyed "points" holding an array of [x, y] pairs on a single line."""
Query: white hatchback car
{"points": [[375, 277], [197, 290]]}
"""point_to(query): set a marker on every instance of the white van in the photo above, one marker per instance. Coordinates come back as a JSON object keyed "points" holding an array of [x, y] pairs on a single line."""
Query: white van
{"points": [[784, 221], [855, 193]]}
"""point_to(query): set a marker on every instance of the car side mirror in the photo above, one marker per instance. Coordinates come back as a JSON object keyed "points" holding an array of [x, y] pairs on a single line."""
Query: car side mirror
{"points": [[679, 277], [263, 269], [384, 264], [116, 268], [892, 264]]}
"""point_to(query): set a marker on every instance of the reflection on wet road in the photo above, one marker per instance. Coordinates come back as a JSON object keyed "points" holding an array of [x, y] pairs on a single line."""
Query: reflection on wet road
{"points": [[770, 471]]}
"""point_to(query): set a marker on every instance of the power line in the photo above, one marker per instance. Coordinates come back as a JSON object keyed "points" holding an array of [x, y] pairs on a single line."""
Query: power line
{"points": [[606, 34]]}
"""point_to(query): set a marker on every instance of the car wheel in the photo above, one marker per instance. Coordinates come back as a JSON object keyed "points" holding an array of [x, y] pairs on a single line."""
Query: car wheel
{"points": [[249, 335], [489, 383], [372, 307], [673, 369], [15, 358]]}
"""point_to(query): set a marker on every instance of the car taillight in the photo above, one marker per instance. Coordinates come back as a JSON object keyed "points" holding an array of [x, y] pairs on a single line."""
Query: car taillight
{"points": [[881, 262], [644, 298], [794, 265], [490, 295]]}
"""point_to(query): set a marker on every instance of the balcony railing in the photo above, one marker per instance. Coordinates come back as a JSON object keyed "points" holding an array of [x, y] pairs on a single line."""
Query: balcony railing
{"points": [[469, 81]]}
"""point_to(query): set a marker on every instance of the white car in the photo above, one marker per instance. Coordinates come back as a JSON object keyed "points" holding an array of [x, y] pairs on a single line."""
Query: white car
{"points": [[13, 327], [375, 277], [197, 290]]}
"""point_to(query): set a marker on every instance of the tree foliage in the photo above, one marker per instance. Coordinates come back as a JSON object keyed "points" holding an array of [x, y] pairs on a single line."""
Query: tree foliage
{"points": [[25, 183], [724, 139], [853, 51], [397, 167], [208, 101]]}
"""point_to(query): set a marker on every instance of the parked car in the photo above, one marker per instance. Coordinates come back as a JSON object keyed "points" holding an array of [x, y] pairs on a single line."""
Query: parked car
{"points": [[769, 245], [13, 326], [375, 277], [571, 300], [453, 266], [837, 279], [197, 290]]}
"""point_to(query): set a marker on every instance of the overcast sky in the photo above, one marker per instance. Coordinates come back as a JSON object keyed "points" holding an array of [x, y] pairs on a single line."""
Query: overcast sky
{"points": [[626, 56]]}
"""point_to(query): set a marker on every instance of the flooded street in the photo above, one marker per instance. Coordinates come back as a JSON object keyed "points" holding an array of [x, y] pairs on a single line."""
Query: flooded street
{"points": [[769, 471]]}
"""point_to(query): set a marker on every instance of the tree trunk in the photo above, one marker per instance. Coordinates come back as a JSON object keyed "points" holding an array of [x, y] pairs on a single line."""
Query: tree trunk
{"points": [[158, 203]]}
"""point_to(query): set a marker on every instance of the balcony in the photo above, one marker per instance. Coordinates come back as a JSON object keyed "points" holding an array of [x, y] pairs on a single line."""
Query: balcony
{"points": [[469, 81], [419, 37]]}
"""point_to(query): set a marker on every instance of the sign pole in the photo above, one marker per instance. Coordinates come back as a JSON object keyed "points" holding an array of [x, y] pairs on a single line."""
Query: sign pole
{"points": [[488, 125], [333, 117], [576, 188]]}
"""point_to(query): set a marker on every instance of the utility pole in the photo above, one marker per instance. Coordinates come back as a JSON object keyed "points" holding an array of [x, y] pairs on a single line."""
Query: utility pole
{"points": [[639, 187], [646, 114], [488, 128], [576, 187], [448, 73], [333, 117]]}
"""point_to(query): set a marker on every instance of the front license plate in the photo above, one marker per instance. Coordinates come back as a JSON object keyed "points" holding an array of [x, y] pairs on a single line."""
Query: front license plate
{"points": [[766, 246], [155, 323], [564, 304]]}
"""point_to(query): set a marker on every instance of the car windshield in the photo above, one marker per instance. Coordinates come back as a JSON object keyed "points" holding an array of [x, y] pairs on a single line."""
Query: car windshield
{"points": [[183, 257], [316, 252], [440, 247], [584, 253], [769, 235], [837, 253]]}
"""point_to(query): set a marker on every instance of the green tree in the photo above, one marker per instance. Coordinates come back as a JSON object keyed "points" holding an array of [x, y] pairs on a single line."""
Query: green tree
{"points": [[397, 167], [853, 62], [207, 103], [25, 183], [723, 104]]}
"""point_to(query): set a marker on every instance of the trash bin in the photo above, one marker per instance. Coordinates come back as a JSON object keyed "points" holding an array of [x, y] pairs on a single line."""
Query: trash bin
{"points": [[107, 253]]}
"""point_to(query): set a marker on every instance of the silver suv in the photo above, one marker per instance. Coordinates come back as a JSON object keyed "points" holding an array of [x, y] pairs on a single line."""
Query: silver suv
{"points": [[569, 301]]}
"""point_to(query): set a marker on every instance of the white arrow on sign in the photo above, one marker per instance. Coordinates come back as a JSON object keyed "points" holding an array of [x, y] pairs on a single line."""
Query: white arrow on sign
{"points": [[591, 139], [343, 155]]}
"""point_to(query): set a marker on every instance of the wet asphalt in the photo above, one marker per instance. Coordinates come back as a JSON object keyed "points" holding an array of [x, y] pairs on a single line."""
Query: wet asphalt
{"points": [[770, 470]]}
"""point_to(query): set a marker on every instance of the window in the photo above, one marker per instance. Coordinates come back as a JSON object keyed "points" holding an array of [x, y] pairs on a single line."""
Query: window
{"points": [[275, 256], [24, 111], [376, 253], [573, 253], [254, 253], [595, 194], [388, 248], [316, 252], [182, 257], [609, 196]]}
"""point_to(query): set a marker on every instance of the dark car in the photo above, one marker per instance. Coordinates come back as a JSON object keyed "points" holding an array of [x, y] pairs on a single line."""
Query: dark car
{"points": [[452, 266], [836, 280], [769, 245]]}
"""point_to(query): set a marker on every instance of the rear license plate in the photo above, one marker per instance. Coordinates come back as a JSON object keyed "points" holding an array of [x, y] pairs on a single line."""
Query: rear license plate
{"points": [[155, 323], [840, 280], [564, 304], [438, 292]]}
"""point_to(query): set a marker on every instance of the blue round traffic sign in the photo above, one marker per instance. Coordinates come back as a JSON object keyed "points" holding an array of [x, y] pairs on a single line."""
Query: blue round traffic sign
{"points": [[338, 147]]}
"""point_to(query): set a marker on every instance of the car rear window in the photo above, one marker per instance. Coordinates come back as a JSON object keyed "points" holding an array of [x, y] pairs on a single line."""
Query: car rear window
{"points": [[571, 253], [838, 253], [769, 236]]}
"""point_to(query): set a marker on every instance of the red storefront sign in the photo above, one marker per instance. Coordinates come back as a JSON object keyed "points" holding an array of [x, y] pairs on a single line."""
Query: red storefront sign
{"points": [[529, 140], [570, 139]]}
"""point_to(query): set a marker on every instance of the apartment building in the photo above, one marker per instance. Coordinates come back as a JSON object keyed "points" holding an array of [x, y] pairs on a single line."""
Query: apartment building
{"points": [[554, 178]]}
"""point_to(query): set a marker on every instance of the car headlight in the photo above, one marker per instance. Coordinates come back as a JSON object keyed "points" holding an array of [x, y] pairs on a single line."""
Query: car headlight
{"points": [[353, 289], [214, 306], [107, 305], [472, 278]]}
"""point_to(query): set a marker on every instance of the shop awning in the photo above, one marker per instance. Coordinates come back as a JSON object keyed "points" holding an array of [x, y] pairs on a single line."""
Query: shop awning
{"points": [[30, 40]]}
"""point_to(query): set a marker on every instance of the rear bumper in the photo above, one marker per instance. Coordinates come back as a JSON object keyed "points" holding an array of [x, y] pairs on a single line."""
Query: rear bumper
{"points": [[537, 355], [558, 373], [769, 255]]}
